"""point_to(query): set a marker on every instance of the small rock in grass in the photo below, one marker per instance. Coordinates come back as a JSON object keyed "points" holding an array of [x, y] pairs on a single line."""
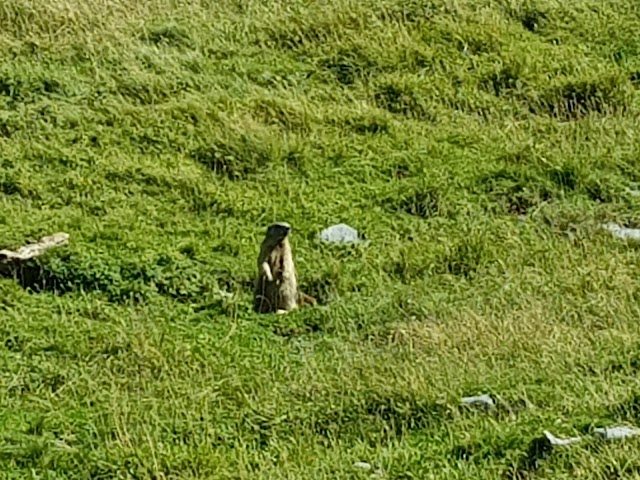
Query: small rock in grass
{"points": [[224, 293], [559, 442], [616, 433], [482, 401], [622, 232], [340, 233], [362, 465]]}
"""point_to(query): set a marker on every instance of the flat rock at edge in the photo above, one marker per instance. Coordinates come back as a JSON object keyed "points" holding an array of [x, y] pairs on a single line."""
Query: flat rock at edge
{"points": [[484, 401], [622, 232], [558, 442]]}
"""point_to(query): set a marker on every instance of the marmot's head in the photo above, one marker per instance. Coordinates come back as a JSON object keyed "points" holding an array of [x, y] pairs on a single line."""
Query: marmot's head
{"points": [[276, 232]]}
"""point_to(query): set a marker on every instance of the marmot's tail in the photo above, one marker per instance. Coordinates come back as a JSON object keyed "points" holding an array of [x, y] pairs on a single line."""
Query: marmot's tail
{"points": [[304, 299]]}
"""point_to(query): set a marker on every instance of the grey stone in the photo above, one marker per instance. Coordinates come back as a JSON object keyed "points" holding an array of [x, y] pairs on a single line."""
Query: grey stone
{"points": [[483, 401], [224, 293], [615, 433], [340, 233], [559, 442], [362, 465], [622, 232]]}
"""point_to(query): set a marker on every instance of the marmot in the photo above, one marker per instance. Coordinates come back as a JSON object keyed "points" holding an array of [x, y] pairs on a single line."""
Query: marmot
{"points": [[276, 286]]}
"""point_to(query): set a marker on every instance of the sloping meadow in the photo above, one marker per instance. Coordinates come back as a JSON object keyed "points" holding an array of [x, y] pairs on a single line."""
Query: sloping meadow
{"points": [[478, 145]]}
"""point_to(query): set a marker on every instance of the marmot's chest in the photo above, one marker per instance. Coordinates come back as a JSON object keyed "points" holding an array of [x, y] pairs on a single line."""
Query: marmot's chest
{"points": [[277, 264]]}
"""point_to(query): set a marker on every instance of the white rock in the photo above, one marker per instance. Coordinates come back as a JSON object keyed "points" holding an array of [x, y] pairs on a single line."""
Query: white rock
{"points": [[556, 442], [615, 433], [362, 465], [340, 233], [479, 401], [622, 232]]}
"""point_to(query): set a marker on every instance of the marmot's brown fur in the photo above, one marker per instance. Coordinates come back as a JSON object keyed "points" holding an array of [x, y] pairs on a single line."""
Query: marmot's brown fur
{"points": [[276, 286]]}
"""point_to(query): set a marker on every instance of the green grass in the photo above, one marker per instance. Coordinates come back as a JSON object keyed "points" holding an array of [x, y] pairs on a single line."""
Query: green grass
{"points": [[165, 136]]}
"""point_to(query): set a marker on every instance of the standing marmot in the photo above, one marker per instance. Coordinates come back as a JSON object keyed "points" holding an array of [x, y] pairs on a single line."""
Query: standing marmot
{"points": [[276, 287]]}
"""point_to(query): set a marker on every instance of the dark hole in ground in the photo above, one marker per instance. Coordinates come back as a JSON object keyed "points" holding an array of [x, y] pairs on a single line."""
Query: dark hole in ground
{"points": [[8, 127], [404, 269], [402, 99], [230, 282], [566, 177], [28, 88], [501, 82], [237, 159], [379, 418], [401, 171], [574, 100], [464, 258], [39, 278], [366, 124], [473, 452], [144, 94], [532, 19], [276, 112], [539, 450], [423, 203], [627, 410], [288, 327], [631, 365], [179, 279], [517, 191], [348, 66], [293, 37], [573, 178], [170, 35], [13, 343], [626, 470], [600, 192], [10, 184]]}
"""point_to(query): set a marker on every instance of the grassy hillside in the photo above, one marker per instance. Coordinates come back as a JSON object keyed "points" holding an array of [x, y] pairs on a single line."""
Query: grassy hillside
{"points": [[477, 144]]}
